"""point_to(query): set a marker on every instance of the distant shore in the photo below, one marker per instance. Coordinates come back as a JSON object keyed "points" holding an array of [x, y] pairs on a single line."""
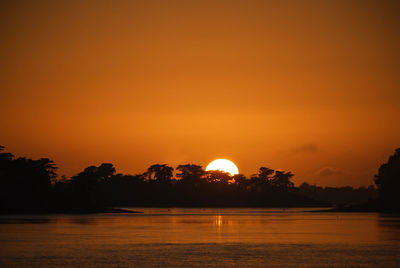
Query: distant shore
{"points": [[71, 211], [356, 208], [364, 207]]}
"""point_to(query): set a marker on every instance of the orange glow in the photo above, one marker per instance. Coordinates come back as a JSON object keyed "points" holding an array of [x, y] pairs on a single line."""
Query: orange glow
{"points": [[300, 86]]}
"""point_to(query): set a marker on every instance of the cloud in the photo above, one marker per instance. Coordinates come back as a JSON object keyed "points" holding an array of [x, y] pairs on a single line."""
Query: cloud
{"points": [[306, 148], [328, 171]]}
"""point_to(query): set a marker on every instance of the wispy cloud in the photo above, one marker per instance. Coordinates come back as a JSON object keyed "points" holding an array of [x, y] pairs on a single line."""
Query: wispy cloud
{"points": [[328, 171], [306, 148]]}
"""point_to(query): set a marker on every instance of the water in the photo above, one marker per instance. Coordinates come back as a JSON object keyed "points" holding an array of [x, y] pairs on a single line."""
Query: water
{"points": [[201, 238]]}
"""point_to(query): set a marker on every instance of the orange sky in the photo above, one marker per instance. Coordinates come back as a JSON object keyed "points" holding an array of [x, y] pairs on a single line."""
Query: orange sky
{"points": [[306, 86]]}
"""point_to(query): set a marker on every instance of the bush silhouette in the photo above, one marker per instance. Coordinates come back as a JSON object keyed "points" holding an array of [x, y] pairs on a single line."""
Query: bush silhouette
{"points": [[388, 182]]}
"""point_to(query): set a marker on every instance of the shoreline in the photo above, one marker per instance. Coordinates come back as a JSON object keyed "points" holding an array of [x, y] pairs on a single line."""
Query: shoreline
{"points": [[70, 211]]}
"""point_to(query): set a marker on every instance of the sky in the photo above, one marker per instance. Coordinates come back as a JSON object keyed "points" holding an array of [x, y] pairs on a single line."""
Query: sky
{"points": [[310, 87]]}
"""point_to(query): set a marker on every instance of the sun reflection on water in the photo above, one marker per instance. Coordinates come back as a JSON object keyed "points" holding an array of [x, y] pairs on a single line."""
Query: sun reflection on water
{"points": [[218, 220]]}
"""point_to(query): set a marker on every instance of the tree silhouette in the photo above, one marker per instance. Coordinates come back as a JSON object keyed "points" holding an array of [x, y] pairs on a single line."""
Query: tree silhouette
{"points": [[217, 176], [24, 183], [261, 181], [160, 173], [242, 183], [388, 182], [190, 174], [105, 171], [281, 180], [87, 185], [264, 174], [5, 157]]}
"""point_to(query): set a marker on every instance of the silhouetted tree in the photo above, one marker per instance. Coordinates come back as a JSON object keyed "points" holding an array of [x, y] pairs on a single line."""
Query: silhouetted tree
{"points": [[265, 173], [190, 174], [340, 196], [262, 181], [126, 189], [388, 182], [5, 163], [281, 180], [87, 185], [105, 171], [242, 183], [24, 183], [5, 157], [160, 173], [217, 176]]}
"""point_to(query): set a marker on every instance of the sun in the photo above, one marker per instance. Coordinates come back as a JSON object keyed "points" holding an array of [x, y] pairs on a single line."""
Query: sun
{"points": [[223, 165]]}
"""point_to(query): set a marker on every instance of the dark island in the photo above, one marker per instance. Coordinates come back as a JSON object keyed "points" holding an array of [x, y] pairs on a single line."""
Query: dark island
{"points": [[32, 186], [388, 182]]}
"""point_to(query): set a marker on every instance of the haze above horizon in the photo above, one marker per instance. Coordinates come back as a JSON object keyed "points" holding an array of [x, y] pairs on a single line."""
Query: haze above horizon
{"points": [[311, 86]]}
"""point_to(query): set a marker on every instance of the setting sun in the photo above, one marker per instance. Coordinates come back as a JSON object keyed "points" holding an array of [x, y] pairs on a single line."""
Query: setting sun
{"points": [[223, 165], [116, 118]]}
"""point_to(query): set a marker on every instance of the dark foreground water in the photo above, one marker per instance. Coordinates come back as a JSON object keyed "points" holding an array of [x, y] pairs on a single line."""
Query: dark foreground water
{"points": [[201, 238]]}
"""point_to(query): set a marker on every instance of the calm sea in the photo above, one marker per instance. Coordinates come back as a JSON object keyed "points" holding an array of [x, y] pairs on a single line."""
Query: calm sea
{"points": [[201, 238]]}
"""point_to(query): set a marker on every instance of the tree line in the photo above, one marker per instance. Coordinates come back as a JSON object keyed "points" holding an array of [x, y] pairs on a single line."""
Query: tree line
{"points": [[28, 185]]}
